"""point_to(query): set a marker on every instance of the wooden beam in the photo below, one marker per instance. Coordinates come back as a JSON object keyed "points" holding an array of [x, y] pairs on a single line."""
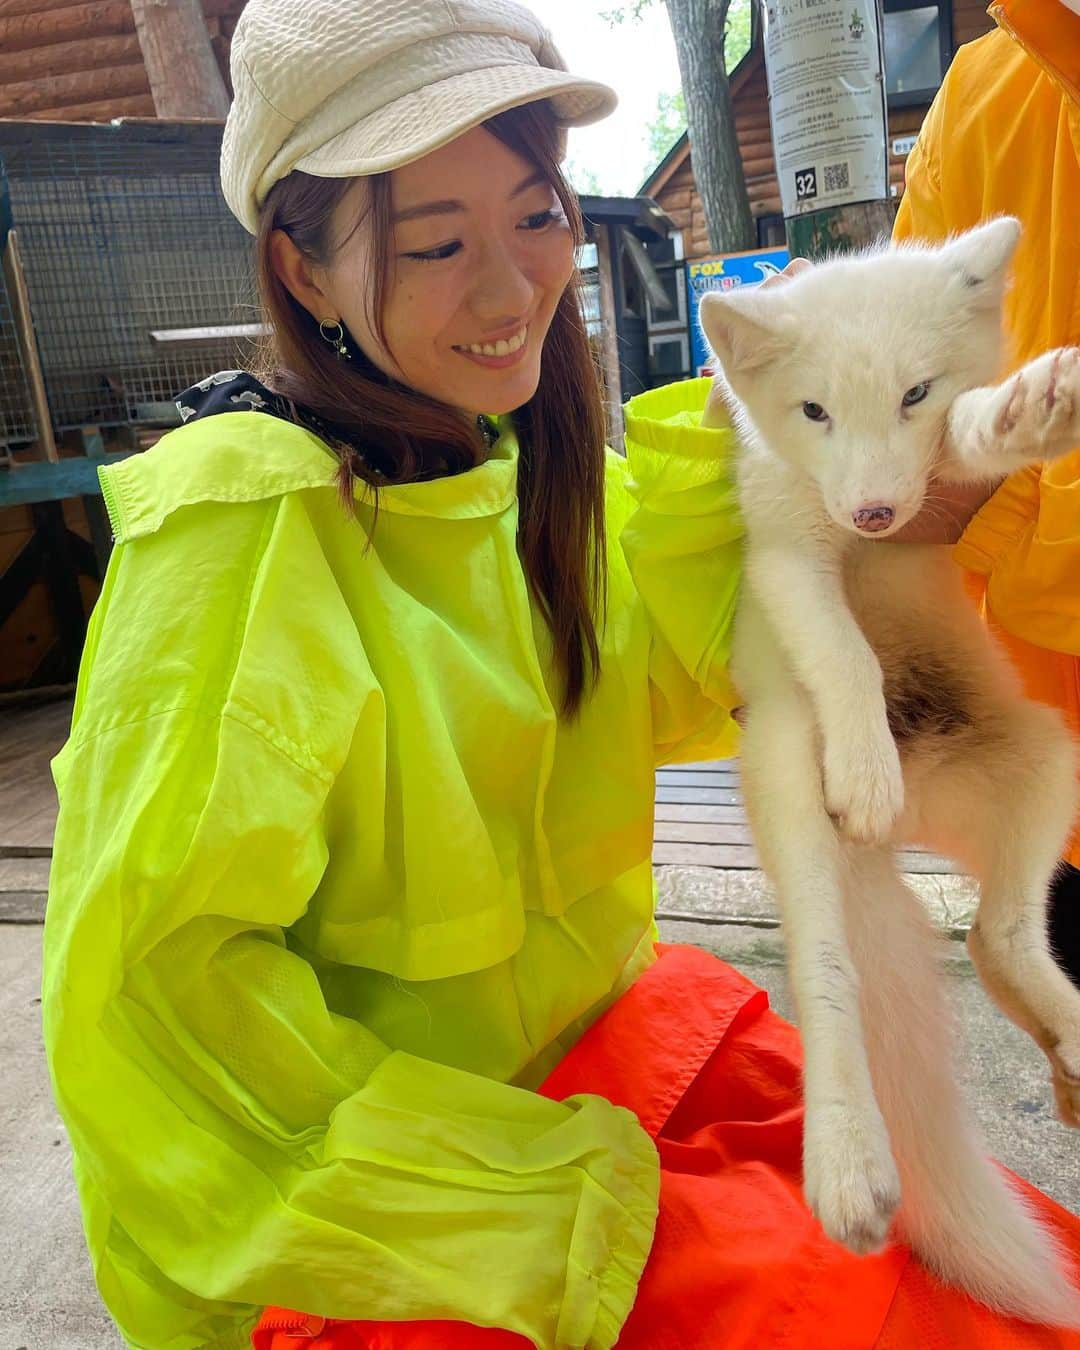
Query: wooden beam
{"points": [[609, 339], [704, 814], [12, 9], [86, 86], [185, 78], [64, 58], [138, 105], [71, 477], [740, 856], [756, 146], [45, 24], [696, 796], [694, 832], [764, 167], [28, 348], [72, 23]]}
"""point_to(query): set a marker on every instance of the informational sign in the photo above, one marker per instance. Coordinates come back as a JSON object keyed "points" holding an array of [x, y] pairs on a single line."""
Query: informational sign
{"points": [[903, 145], [724, 273], [825, 66]]}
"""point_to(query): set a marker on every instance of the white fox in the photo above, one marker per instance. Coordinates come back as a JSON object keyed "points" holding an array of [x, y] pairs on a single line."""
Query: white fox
{"points": [[878, 712]]}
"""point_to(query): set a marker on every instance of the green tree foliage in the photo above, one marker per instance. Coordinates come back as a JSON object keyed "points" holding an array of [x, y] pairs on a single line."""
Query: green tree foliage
{"points": [[737, 40], [667, 126], [711, 37]]}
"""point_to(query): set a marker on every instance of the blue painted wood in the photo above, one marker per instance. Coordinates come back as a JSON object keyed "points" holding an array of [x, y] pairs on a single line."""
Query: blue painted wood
{"points": [[93, 444], [45, 482]]}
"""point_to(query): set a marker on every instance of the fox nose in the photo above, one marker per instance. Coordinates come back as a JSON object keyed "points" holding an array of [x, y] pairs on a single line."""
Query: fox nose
{"points": [[872, 517]]}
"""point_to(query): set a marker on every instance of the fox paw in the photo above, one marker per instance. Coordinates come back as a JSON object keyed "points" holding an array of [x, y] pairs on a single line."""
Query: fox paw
{"points": [[864, 786], [1064, 1057], [1036, 413], [849, 1178]]}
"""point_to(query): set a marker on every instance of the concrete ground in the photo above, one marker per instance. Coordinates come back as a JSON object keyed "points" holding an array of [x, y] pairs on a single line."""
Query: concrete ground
{"points": [[47, 1296]]}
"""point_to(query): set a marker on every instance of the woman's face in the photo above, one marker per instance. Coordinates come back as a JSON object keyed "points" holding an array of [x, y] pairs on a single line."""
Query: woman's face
{"points": [[480, 254]]}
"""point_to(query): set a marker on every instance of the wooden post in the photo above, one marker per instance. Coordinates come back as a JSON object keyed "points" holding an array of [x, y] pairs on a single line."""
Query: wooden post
{"points": [[180, 63], [28, 348], [609, 337]]}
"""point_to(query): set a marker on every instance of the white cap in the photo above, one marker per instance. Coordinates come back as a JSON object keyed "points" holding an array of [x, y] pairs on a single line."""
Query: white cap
{"points": [[339, 88]]}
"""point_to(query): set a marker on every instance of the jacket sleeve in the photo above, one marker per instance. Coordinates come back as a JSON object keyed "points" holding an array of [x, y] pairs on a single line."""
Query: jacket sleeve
{"points": [[247, 1144], [682, 540], [921, 214], [1025, 540]]}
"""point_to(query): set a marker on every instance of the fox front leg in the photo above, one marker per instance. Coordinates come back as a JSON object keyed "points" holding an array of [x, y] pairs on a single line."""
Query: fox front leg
{"points": [[1034, 415], [803, 598]]}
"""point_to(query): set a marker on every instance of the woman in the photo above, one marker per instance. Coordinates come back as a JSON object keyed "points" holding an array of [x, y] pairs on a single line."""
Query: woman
{"points": [[356, 812]]}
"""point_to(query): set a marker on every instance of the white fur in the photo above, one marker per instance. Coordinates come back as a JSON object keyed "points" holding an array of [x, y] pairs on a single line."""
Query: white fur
{"points": [[833, 630]]}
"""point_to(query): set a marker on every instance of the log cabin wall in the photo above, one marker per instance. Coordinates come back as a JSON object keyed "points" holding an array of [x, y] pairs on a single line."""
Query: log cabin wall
{"points": [[68, 62], [673, 187]]}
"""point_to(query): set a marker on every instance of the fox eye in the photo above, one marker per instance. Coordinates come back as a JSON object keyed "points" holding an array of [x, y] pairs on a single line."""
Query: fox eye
{"points": [[815, 412], [916, 393]]}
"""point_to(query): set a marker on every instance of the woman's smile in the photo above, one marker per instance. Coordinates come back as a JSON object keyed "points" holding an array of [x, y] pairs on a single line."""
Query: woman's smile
{"points": [[501, 353]]}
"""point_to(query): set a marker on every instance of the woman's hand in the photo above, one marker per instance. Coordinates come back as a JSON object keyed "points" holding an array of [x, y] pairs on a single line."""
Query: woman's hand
{"points": [[945, 513], [793, 269]]}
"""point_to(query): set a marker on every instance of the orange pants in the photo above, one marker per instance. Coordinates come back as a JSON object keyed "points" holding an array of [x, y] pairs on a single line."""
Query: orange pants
{"points": [[738, 1261]]}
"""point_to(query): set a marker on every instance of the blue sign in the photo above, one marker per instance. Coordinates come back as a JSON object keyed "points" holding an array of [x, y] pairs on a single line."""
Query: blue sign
{"points": [[724, 273]]}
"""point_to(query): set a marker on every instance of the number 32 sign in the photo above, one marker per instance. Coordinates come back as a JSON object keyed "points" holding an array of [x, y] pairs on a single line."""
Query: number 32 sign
{"points": [[805, 184]]}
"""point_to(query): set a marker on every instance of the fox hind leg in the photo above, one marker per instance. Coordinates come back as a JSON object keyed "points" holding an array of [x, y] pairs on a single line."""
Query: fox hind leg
{"points": [[1010, 791]]}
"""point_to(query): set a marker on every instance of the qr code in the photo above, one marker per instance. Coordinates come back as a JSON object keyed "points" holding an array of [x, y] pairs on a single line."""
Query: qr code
{"points": [[836, 177]]}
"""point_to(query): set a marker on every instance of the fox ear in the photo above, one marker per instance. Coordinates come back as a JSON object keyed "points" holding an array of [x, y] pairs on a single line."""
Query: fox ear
{"points": [[746, 331], [980, 259]]}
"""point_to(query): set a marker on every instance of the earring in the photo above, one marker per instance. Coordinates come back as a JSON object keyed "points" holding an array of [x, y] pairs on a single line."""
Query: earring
{"points": [[336, 340]]}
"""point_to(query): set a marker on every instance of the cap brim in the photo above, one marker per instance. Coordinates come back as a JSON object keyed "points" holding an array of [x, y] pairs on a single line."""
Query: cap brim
{"points": [[431, 117]]}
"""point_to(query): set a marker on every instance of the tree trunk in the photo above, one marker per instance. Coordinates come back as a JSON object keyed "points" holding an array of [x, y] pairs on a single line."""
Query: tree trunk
{"points": [[180, 62], [840, 229], [698, 26]]}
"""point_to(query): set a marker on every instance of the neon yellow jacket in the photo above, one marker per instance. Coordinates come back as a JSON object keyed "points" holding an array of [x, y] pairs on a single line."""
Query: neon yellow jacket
{"points": [[333, 886]]}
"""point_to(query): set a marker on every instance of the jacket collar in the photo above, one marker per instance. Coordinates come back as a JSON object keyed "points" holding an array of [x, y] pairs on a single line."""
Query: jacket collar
{"points": [[1050, 34], [248, 456]]}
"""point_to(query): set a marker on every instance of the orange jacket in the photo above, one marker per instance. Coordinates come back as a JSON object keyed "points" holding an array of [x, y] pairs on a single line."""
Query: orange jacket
{"points": [[1003, 135]]}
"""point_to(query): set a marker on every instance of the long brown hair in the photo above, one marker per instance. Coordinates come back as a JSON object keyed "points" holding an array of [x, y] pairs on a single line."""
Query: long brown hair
{"points": [[385, 433]]}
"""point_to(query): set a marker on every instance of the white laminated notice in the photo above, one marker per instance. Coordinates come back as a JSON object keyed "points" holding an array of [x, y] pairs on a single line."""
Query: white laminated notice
{"points": [[826, 72]]}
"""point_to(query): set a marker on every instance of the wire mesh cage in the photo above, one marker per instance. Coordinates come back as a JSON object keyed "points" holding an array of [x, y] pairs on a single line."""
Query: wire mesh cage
{"points": [[140, 279]]}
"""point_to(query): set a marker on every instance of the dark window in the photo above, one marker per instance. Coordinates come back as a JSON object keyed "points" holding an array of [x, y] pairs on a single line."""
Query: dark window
{"points": [[918, 48], [771, 232], [669, 358]]}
